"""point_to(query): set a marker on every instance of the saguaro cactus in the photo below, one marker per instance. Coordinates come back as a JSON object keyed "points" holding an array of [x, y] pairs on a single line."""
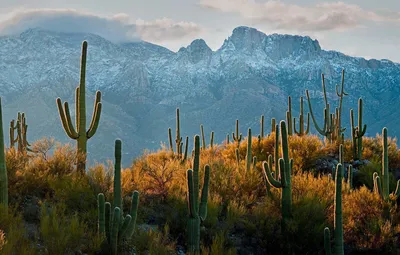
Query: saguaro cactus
{"points": [[3, 168], [332, 128], [115, 226], [79, 133], [248, 155], [238, 137], [358, 132], [301, 130], [261, 135], [338, 218], [282, 179], [289, 117], [382, 186], [22, 128], [197, 212]]}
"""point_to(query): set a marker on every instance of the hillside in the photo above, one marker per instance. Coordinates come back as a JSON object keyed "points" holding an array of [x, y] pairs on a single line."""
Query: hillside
{"points": [[142, 84]]}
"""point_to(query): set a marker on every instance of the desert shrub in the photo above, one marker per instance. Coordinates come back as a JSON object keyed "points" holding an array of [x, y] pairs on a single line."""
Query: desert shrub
{"points": [[12, 226], [59, 233], [100, 178], [153, 242], [364, 223], [157, 172], [372, 150], [219, 245], [304, 150]]}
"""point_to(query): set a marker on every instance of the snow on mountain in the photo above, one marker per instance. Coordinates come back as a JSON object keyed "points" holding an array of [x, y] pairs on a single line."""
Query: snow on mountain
{"points": [[142, 84]]}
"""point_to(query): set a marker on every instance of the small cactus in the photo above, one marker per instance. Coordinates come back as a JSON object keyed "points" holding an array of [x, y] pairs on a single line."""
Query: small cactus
{"points": [[382, 186], [115, 226], [238, 137], [357, 132]]}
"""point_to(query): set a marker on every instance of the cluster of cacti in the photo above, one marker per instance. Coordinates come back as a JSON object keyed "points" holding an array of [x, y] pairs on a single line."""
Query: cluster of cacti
{"points": [[332, 129], [79, 133], [3, 168], [21, 127], [114, 225], [178, 140], [197, 212], [358, 132], [338, 217], [203, 139], [381, 184], [238, 137], [301, 130], [281, 179]]}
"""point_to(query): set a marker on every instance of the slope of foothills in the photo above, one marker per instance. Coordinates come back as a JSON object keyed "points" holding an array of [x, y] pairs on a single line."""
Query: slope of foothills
{"points": [[211, 87], [286, 192]]}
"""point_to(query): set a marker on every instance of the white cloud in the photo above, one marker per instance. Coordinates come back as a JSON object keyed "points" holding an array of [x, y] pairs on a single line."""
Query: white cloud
{"points": [[119, 27], [321, 17]]}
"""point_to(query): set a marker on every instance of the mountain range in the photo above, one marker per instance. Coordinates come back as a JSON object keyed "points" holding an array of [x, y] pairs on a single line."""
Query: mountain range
{"points": [[142, 84]]}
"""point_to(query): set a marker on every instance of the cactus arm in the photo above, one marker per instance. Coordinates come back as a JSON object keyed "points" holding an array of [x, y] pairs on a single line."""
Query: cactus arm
{"points": [[191, 192], [321, 131], [308, 123], [327, 241], [96, 116], [294, 126], [125, 226], [77, 106], [262, 127], [397, 190], [350, 177], [101, 211], [212, 139], [133, 214], [171, 147], [204, 194], [248, 156], [115, 230], [268, 176], [186, 149], [107, 217], [65, 117], [203, 139]]}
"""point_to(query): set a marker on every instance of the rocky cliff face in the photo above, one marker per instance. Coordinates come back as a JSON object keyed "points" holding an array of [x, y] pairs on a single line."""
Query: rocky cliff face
{"points": [[142, 84]]}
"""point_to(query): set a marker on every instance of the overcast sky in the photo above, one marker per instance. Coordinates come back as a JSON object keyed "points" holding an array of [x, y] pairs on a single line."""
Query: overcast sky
{"points": [[366, 28]]}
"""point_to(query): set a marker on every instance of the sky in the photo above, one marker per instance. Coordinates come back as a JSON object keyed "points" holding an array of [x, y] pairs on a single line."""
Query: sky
{"points": [[363, 28]]}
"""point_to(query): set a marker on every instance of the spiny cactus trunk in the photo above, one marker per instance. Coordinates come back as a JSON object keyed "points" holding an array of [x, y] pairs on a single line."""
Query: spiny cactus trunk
{"points": [[79, 133]]}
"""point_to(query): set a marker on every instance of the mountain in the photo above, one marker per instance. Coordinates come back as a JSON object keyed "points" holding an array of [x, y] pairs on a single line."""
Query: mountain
{"points": [[142, 84]]}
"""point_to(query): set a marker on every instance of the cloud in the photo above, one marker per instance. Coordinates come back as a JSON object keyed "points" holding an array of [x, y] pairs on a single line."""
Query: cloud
{"points": [[119, 27], [321, 17]]}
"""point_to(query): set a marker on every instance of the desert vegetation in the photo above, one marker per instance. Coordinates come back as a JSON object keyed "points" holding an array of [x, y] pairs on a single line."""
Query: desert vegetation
{"points": [[286, 191]]}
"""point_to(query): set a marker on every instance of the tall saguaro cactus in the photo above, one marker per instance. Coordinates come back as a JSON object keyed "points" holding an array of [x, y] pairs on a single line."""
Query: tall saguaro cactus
{"points": [[358, 132], [332, 128], [338, 217], [3, 168], [382, 186], [301, 130], [282, 179], [197, 212], [80, 134], [114, 225]]}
